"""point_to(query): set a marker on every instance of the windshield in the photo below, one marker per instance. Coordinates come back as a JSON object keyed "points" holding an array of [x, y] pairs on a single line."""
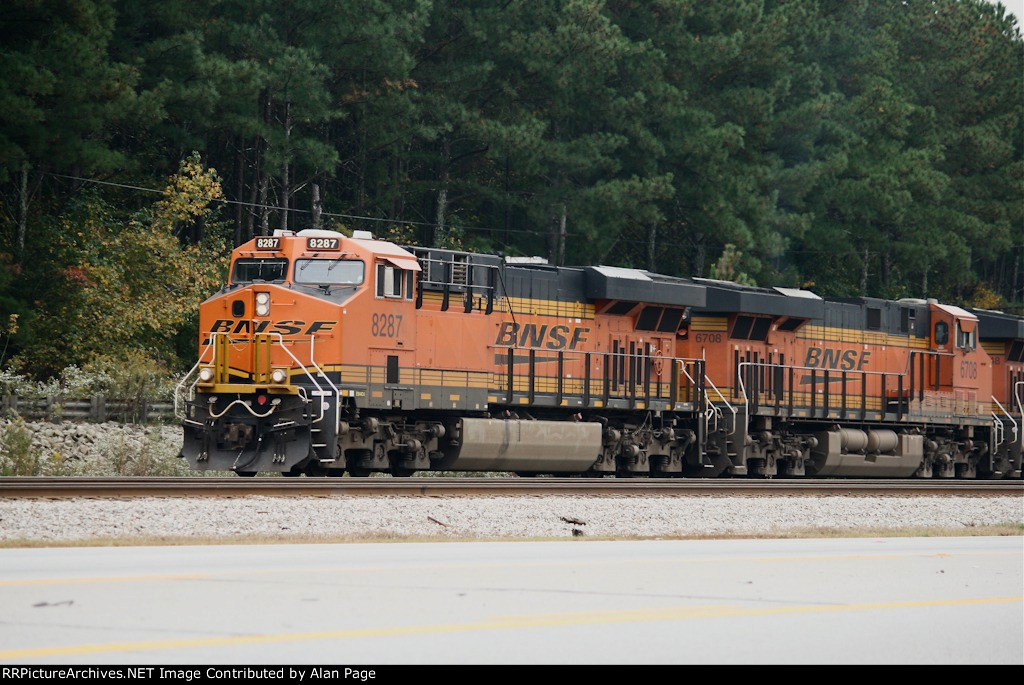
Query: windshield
{"points": [[248, 270], [329, 271]]}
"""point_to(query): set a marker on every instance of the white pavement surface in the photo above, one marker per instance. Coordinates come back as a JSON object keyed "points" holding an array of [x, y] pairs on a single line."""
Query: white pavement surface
{"points": [[892, 600]]}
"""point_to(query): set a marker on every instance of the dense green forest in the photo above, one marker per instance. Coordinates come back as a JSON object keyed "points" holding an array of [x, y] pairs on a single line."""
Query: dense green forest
{"points": [[848, 146]]}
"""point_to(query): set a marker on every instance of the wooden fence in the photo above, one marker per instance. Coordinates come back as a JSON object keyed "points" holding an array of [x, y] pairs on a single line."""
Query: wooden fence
{"points": [[97, 408]]}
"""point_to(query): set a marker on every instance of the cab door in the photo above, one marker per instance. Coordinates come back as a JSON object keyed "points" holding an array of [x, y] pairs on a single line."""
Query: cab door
{"points": [[392, 346], [938, 367]]}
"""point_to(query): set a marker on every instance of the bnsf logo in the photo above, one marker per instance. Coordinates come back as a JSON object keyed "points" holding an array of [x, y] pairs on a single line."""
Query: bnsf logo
{"points": [[841, 360], [283, 327], [532, 335]]}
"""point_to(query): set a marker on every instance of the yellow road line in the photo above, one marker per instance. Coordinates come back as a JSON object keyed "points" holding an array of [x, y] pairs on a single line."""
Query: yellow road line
{"points": [[499, 623]]}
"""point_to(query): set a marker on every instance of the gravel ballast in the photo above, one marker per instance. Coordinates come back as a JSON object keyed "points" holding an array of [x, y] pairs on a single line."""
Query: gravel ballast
{"points": [[389, 517]]}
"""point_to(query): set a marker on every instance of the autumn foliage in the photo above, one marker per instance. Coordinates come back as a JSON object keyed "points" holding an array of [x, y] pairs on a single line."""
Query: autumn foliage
{"points": [[133, 285]]}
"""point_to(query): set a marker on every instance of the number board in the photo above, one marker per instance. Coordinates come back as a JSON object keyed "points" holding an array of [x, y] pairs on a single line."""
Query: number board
{"points": [[323, 244], [268, 243]]}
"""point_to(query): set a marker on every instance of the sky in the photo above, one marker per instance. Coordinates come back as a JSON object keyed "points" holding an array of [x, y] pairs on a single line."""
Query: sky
{"points": [[1015, 7]]}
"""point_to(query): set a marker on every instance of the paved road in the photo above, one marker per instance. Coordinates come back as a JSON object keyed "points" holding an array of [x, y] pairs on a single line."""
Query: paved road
{"points": [[893, 600]]}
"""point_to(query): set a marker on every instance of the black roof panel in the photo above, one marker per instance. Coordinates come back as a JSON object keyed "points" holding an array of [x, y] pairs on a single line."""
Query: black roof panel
{"points": [[615, 283], [999, 326]]}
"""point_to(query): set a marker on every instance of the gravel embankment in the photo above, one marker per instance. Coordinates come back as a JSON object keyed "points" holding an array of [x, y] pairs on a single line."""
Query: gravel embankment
{"points": [[381, 518], [110, 448], [72, 448]]}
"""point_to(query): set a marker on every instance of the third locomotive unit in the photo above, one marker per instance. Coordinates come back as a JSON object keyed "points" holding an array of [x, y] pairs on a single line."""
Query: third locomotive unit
{"points": [[326, 354]]}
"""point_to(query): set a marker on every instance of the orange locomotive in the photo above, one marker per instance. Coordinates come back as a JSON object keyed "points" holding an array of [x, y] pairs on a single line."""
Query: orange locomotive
{"points": [[326, 354]]}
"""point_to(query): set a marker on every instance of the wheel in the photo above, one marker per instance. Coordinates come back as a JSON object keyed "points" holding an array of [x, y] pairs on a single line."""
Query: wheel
{"points": [[315, 470], [355, 458], [401, 471], [246, 474]]}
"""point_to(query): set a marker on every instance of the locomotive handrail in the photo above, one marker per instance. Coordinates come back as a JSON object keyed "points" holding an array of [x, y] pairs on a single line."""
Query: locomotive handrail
{"points": [[909, 368], [448, 283], [934, 353], [814, 370], [997, 429], [711, 404], [305, 370], [337, 393], [709, 408], [999, 421], [280, 338], [1017, 400], [727, 403], [180, 415], [636, 387], [244, 406], [427, 281]]}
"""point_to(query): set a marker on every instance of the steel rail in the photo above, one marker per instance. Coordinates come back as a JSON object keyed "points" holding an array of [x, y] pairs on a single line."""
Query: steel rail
{"points": [[71, 487]]}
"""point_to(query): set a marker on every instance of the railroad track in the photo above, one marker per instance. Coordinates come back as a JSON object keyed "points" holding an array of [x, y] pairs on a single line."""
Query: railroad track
{"points": [[65, 487]]}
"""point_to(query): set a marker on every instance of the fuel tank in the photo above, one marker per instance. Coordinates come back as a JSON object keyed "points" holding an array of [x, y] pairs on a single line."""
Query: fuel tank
{"points": [[518, 445]]}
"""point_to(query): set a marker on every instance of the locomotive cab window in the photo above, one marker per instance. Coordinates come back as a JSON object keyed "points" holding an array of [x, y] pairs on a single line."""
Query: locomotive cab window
{"points": [[965, 340], [941, 333], [906, 320], [394, 282], [266, 270], [329, 271]]}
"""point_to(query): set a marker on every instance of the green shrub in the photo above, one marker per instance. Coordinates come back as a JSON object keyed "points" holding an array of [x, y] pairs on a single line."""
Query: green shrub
{"points": [[17, 458]]}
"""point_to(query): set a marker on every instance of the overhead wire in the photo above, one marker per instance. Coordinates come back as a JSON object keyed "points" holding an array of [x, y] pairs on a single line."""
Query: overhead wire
{"points": [[358, 217], [257, 205]]}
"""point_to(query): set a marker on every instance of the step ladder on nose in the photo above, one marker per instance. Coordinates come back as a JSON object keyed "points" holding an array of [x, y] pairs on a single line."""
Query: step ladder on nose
{"points": [[327, 397]]}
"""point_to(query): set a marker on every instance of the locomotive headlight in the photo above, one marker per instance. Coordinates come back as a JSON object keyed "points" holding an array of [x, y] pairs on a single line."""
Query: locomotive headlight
{"points": [[206, 374], [278, 376], [262, 304]]}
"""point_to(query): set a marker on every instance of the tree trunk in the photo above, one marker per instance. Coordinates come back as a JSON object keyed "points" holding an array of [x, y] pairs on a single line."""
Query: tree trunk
{"points": [[886, 270], [264, 176], [924, 279], [652, 234], [699, 255], [552, 237], [1017, 254], [264, 211], [440, 236], [561, 236], [286, 188], [318, 207], [864, 275], [239, 189], [253, 189], [397, 198], [23, 210], [556, 228], [440, 231], [361, 171]]}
